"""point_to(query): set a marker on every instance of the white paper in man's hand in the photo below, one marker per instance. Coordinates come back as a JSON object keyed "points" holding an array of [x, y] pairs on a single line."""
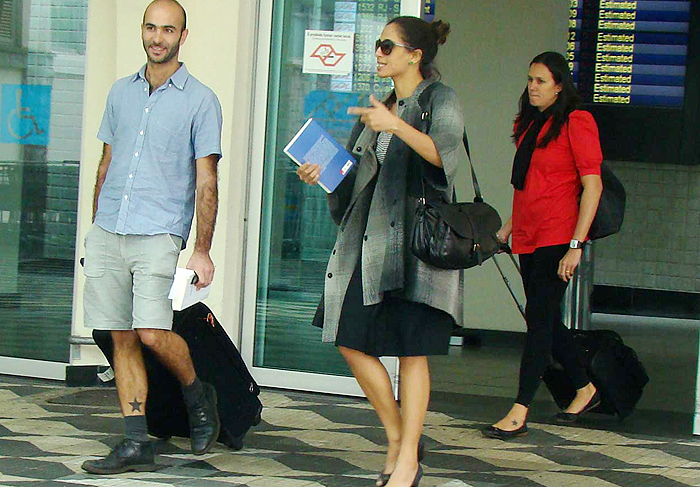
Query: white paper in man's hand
{"points": [[183, 291]]}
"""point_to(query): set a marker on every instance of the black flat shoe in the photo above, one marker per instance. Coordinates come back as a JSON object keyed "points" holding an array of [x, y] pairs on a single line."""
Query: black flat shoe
{"points": [[494, 432], [573, 417], [383, 478]]}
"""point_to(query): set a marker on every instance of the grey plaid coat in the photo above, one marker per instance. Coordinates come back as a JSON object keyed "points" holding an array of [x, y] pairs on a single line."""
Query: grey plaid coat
{"points": [[375, 215]]}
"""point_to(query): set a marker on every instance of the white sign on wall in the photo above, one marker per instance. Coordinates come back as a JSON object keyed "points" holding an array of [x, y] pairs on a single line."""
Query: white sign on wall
{"points": [[328, 52]]}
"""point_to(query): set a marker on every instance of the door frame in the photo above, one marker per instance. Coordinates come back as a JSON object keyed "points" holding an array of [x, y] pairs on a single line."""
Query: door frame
{"points": [[37, 369], [284, 379]]}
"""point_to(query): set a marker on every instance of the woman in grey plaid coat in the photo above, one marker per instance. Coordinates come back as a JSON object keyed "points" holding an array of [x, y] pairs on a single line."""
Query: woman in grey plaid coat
{"points": [[380, 300]]}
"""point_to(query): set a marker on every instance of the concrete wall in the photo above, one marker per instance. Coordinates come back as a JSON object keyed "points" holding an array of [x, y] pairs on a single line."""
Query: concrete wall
{"points": [[218, 52], [658, 245], [485, 60]]}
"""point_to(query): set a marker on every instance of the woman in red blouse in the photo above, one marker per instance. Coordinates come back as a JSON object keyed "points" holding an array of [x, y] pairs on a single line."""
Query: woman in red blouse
{"points": [[556, 176]]}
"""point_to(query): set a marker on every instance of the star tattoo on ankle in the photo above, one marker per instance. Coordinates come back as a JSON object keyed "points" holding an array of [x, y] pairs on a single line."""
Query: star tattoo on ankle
{"points": [[136, 405], [514, 422]]}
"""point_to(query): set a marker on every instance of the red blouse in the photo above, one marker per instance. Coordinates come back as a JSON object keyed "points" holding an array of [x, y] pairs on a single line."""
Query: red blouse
{"points": [[545, 212]]}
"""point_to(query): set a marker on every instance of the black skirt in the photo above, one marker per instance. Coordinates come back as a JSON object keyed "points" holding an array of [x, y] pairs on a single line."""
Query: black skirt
{"points": [[395, 327]]}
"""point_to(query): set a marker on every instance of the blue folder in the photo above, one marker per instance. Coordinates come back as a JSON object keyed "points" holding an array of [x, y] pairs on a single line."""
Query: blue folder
{"points": [[313, 144]]}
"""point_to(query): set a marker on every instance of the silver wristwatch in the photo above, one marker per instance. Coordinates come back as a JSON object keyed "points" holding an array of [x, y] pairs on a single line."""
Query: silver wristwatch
{"points": [[576, 244]]}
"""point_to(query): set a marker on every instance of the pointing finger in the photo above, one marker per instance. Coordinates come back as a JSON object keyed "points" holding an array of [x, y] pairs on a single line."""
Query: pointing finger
{"points": [[358, 110]]}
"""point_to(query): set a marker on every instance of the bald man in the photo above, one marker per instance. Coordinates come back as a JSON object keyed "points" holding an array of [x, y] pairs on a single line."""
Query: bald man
{"points": [[161, 131]]}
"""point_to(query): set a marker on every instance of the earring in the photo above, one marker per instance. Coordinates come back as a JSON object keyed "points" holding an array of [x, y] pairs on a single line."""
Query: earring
{"points": [[410, 63]]}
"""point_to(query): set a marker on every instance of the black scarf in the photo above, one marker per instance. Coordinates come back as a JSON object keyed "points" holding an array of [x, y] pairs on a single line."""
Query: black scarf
{"points": [[521, 162]]}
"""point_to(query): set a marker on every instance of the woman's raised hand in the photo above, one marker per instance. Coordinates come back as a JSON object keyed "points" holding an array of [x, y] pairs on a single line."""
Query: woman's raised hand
{"points": [[309, 173], [377, 117]]}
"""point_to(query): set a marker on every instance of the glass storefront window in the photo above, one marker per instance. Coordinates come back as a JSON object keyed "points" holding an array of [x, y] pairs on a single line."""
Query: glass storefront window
{"points": [[297, 234], [42, 65]]}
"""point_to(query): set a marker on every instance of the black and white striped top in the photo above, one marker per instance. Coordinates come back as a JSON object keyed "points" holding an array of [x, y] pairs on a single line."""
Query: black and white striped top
{"points": [[383, 140]]}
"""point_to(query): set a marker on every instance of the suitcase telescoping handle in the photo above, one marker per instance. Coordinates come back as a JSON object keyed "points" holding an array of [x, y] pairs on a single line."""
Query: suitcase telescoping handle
{"points": [[506, 249]]}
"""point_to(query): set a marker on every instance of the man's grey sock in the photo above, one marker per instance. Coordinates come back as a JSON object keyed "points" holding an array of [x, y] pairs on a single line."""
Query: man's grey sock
{"points": [[136, 428], [193, 392]]}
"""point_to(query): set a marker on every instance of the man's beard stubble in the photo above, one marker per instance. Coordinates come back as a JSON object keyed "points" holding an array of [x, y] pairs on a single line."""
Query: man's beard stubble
{"points": [[170, 53]]}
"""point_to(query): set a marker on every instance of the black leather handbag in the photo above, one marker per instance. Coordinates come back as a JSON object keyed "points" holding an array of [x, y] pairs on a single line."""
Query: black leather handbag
{"points": [[453, 235], [611, 208]]}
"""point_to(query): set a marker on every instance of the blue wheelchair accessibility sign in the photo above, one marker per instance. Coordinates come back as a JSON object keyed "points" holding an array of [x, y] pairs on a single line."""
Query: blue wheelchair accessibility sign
{"points": [[25, 112]]}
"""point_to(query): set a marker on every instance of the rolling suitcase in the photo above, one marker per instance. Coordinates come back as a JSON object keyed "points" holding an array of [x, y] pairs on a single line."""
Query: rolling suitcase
{"points": [[613, 367], [216, 361]]}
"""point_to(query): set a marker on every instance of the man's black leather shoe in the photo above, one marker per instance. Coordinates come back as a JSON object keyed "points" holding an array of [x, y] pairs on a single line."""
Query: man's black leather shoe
{"points": [[128, 455], [204, 421]]}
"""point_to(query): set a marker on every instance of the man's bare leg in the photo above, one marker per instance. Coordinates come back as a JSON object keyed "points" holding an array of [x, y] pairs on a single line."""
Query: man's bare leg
{"points": [[172, 351], [135, 452], [130, 373], [200, 398]]}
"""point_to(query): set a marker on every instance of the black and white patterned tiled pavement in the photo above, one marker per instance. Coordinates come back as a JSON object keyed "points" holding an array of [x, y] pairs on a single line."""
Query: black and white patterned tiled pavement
{"points": [[309, 440]]}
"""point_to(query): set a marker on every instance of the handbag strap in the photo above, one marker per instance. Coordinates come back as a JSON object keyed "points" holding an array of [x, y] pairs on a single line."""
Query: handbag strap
{"points": [[426, 115]]}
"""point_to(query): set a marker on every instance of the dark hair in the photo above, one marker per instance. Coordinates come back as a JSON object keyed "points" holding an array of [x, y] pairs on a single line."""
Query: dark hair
{"points": [[567, 101], [425, 36], [184, 14]]}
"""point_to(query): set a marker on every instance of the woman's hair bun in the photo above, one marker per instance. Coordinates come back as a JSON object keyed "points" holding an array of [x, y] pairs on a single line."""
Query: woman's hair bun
{"points": [[441, 29]]}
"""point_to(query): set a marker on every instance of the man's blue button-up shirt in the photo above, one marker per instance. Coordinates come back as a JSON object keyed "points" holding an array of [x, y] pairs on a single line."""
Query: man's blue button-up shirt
{"points": [[156, 138]]}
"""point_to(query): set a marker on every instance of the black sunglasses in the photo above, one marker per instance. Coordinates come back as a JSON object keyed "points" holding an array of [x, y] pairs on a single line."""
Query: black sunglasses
{"points": [[387, 45]]}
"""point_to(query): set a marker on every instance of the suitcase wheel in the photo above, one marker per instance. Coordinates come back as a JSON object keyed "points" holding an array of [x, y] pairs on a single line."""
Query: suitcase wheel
{"points": [[233, 442], [258, 416], [162, 436]]}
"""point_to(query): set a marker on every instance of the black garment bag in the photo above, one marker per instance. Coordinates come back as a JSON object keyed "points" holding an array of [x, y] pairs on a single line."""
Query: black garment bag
{"points": [[216, 361]]}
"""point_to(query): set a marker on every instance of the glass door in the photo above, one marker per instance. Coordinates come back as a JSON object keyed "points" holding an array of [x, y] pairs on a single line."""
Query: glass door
{"points": [[42, 62], [290, 233]]}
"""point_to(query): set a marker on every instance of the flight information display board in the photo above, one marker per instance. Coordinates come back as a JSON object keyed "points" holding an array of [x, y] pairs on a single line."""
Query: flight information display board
{"points": [[629, 53], [366, 18]]}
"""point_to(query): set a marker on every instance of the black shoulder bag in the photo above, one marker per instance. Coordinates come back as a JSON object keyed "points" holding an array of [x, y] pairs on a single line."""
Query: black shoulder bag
{"points": [[452, 235], [611, 207]]}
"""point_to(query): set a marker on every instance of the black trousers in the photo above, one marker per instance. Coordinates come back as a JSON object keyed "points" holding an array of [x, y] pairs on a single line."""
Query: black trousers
{"points": [[546, 334]]}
